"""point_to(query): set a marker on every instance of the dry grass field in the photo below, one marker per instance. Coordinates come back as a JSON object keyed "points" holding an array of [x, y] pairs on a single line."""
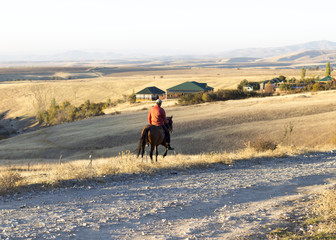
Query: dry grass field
{"points": [[22, 98], [212, 127]]}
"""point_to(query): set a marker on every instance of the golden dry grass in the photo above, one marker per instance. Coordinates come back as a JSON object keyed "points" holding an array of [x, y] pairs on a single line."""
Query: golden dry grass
{"points": [[213, 127], [319, 221], [325, 204], [24, 97], [9, 180], [325, 212], [17, 174]]}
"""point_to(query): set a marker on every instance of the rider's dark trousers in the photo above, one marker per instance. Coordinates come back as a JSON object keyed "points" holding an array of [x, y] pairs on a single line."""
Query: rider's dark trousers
{"points": [[165, 129]]}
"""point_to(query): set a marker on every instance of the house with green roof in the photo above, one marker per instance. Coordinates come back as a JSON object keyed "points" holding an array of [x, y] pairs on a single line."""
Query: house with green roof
{"points": [[326, 79], [150, 94], [275, 83], [187, 87]]}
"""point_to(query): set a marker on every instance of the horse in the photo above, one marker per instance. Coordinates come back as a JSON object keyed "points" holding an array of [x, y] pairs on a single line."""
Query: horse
{"points": [[155, 136]]}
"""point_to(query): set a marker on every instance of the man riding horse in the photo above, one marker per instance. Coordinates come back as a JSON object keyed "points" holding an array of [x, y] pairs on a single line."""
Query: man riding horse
{"points": [[157, 117]]}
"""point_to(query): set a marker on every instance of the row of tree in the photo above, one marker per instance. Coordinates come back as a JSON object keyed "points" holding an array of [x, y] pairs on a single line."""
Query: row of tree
{"points": [[327, 71], [219, 95], [66, 112]]}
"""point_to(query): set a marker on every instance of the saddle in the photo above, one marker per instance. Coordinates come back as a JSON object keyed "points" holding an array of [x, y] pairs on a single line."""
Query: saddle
{"points": [[161, 130]]}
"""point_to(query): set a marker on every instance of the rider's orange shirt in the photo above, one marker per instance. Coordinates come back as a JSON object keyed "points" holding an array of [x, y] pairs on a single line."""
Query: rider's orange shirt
{"points": [[157, 116]]}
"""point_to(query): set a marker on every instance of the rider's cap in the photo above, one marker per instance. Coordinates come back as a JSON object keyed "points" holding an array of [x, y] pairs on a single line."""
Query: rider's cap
{"points": [[158, 101]]}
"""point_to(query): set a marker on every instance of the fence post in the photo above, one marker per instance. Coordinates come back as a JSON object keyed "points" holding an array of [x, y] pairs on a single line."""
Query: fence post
{"points": [[60, 159], [90, 157]]}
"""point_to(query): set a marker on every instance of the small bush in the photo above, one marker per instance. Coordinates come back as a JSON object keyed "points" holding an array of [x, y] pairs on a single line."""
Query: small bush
{"points": [[3, 133], [188, 99], [132, 97], [317, 87], [9, 180], [262, 145]]}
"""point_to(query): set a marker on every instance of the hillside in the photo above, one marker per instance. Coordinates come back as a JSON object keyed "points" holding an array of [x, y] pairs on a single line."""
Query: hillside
{"points": [[107, 56], [220, 126], [305, 57], [276, 51]]}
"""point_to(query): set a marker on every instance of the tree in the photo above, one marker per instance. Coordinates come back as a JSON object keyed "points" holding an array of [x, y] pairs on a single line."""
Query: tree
{"points": [[132, 97], [282, 78], [108, 103], [328, 69], [269, 88], [86, 105], [242, 84], [317, 87], [284, 87], [206, 97], [303, 73]]}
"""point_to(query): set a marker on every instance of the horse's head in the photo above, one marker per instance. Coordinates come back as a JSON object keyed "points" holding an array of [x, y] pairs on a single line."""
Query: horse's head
{"points": [[170, 123]]}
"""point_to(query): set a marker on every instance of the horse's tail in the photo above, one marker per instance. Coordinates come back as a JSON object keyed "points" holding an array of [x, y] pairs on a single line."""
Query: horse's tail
{"points": [[142, 142]]}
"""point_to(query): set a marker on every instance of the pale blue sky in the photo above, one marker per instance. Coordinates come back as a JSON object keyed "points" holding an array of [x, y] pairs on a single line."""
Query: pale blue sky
{"points": [[161, 27]]}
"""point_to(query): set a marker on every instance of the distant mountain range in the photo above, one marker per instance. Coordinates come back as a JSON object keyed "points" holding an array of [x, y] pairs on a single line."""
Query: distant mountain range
{"points": [[310, 53], [311, 56], [271, 52]]}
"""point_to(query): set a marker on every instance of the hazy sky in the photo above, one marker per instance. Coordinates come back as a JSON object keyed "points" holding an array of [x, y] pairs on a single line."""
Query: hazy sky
{"points": [[162, 27]]}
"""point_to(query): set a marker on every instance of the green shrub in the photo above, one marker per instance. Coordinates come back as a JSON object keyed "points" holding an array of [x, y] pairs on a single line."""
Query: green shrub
{"points": [[285, 87], [242, 84], [206, 97], [227, 94], [190, 98], [132, 97], [317, 87], [219, 95], [57, 114]]}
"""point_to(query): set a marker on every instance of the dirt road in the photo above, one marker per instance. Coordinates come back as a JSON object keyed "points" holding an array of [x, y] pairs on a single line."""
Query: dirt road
{"points": [[224, 202]]}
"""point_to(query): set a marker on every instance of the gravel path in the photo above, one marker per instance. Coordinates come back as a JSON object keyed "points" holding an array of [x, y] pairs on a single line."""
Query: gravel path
{"points": [[224, 202]]}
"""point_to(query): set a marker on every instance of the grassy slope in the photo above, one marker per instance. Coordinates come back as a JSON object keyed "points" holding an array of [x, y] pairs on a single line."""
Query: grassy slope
{"points": [[221, 126]]}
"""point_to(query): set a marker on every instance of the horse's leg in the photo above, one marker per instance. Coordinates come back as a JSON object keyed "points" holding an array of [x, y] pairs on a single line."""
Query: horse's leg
{"points": [[156, 152], [142, 150], [165, 153], [151, 152]]}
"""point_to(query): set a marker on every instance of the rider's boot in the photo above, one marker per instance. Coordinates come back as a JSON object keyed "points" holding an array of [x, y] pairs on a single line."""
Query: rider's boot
{"points": [[169, 147]]}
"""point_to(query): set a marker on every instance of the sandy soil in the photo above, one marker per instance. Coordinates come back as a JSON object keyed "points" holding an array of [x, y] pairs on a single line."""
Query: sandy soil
{"points": [[245, 200]]}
